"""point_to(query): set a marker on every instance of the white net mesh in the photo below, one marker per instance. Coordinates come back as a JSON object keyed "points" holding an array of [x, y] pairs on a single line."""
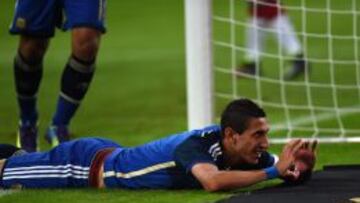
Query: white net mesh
{"points": [[323, 101]]}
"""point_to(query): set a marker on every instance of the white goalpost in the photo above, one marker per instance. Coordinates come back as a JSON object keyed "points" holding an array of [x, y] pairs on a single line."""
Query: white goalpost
{"points": [[199, 63], [322, 103]]}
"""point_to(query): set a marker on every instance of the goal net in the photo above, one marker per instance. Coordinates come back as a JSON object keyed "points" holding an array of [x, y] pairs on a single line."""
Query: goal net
{"points": [[322, 100]]}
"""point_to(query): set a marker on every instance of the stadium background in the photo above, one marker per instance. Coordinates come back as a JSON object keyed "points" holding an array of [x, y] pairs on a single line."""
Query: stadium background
{"points": [[138, 94]]}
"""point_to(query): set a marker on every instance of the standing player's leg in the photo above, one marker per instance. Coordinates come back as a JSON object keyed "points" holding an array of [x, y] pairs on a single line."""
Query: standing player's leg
{"points": [[254, 45], [35, 29], [290, 43], [79, 70], [28, 68]]}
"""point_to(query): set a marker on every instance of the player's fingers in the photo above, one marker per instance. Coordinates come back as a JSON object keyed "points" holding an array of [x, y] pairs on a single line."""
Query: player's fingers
{"points": [[289, 145], [313, 145], [291, 148], [297, 146], [306, 144], [293, 143]]}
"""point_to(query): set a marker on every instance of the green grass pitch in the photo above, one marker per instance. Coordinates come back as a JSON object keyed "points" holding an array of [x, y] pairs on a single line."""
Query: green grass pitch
{"points": [[138, 93]]}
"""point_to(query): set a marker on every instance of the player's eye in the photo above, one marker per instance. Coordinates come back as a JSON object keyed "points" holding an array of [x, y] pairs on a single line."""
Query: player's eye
{"points": [[260, 133]]}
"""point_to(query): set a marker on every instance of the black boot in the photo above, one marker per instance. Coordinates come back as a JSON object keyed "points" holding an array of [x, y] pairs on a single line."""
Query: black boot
{"points": [[7, 150], [246, 68], [298, 68]]}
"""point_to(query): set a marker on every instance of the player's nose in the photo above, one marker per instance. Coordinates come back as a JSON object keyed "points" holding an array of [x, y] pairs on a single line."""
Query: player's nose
{"points": [[265, 142]]}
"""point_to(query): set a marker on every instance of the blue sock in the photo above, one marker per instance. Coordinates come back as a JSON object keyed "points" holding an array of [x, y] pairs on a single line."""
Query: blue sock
{"points": [[64, 112], [75, 81]]}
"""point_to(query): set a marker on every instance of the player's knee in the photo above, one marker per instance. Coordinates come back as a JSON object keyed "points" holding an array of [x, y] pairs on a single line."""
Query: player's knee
{"points": [[33, 49], [86, 50], [85, 43]]}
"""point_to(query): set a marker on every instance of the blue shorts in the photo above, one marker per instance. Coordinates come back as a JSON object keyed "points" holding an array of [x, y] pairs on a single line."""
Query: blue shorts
{"points": [[39, 18], [66, 165]]}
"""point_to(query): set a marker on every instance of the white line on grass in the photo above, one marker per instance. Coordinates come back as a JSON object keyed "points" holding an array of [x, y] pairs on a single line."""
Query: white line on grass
{"points": [[309, 119]]}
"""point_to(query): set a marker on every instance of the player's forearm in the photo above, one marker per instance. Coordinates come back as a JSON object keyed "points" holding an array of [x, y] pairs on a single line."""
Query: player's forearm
{"points": [[213, 179], [224, 180]]}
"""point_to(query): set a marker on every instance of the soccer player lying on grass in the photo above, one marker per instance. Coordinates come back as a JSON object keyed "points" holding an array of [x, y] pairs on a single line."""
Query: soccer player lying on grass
{"points": [[229, 156]]}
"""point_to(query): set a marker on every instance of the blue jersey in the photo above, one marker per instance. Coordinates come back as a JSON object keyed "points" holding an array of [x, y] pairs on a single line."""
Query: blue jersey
{"points": [[164, 163], [41, 17], [167, 163]]}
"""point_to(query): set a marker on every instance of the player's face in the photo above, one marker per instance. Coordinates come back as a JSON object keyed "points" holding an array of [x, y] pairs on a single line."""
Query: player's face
{"points": [[248, 146]]}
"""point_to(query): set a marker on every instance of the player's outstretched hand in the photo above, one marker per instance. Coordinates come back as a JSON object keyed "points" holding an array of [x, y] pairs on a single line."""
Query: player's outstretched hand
{"points": [[304, 162], [287, 156]]}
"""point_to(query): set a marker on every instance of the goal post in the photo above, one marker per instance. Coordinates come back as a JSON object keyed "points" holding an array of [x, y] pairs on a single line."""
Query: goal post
{"points": [[200, 104], [323, 103]]}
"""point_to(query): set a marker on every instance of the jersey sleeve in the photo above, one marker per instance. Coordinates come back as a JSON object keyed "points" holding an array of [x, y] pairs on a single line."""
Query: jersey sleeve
{"points": [[267, 160], [192, 151]]}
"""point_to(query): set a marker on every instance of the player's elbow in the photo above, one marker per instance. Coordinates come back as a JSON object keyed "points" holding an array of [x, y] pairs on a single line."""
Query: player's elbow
{"points": [[211, 186]]}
